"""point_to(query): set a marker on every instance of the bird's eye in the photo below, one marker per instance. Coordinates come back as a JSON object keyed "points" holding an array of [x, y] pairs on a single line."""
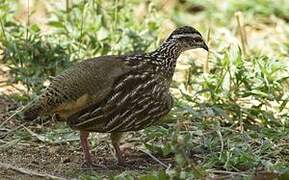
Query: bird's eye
{"points": [[198, 39]]}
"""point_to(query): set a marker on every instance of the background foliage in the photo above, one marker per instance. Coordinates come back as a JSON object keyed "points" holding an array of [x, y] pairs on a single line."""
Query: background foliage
{"points": [[231, 119]]}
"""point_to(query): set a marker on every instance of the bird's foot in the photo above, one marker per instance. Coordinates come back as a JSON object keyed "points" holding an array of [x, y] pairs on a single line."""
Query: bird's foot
{"points": [[120, 159], [91, 166], [121, 162]]}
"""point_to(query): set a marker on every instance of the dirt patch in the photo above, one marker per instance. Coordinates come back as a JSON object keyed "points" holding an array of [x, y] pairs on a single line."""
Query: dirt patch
{"points": [[64, 159]]}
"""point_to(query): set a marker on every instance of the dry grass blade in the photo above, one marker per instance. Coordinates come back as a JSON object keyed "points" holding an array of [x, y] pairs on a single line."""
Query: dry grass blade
{"points": [[228, 172], [18, 127], [9, 144], [16, 112], [206, 63], [154, 158], [239, 17], [29, 172]]}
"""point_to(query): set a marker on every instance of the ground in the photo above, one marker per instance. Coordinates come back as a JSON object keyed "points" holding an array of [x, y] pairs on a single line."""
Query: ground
{"points": [[63, 159]]}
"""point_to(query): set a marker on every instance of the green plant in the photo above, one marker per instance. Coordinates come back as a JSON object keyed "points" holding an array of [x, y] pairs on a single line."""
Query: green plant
{"points": [[82, 31]]}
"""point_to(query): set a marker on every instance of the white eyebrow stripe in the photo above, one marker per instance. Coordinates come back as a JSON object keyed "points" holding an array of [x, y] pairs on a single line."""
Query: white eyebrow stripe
{"points": [[186, 35]]}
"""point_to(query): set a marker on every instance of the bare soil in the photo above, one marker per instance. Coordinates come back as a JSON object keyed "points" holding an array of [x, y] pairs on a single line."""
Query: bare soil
{"points": [[62, 160]]}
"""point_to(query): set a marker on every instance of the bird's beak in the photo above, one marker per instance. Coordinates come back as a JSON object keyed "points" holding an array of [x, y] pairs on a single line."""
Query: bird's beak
{"points": [[205, 47]]}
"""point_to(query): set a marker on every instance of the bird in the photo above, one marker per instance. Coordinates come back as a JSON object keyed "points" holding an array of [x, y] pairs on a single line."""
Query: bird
{"points": [[116, 93]]}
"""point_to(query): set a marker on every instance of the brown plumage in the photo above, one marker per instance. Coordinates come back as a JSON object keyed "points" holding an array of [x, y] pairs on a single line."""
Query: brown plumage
{"points": [[115, 94]]}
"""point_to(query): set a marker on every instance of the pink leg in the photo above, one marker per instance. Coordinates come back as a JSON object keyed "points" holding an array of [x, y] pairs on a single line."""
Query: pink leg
{"points": [[85, 148], [87, 157]]}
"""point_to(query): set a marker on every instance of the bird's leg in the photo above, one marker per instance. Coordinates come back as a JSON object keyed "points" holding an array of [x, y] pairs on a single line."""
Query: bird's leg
{"points": [[115, 140], [85, 148], [87, 157]]}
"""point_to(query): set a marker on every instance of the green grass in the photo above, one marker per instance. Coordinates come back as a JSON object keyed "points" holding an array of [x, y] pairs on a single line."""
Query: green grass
{"points": [[232, 121]]}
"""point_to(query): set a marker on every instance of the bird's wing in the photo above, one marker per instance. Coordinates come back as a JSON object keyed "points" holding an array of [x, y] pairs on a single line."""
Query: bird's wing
{"points": [[87, 83], [138, 99]]}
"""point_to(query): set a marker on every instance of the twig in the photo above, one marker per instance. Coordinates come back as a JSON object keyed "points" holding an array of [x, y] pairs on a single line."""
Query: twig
{"points": [[221, 139], [3, 30], [18, 143], [154, 158], [82, 24], [28, 20], [227, 172], [67, 6], [206, 63], [9, 144], [26, 34], [242, 31], [17, 111], [115, 16], [18, 127], [10, 117], [29, 172]]}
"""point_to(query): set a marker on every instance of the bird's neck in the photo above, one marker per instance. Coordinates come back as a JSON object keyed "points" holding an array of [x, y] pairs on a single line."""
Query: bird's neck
{"points": [[168, 49], [166, 55], [164, 58]]}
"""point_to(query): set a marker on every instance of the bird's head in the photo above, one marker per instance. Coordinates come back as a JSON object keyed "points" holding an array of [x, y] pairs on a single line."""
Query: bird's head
{"points": [[188, 38]]}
